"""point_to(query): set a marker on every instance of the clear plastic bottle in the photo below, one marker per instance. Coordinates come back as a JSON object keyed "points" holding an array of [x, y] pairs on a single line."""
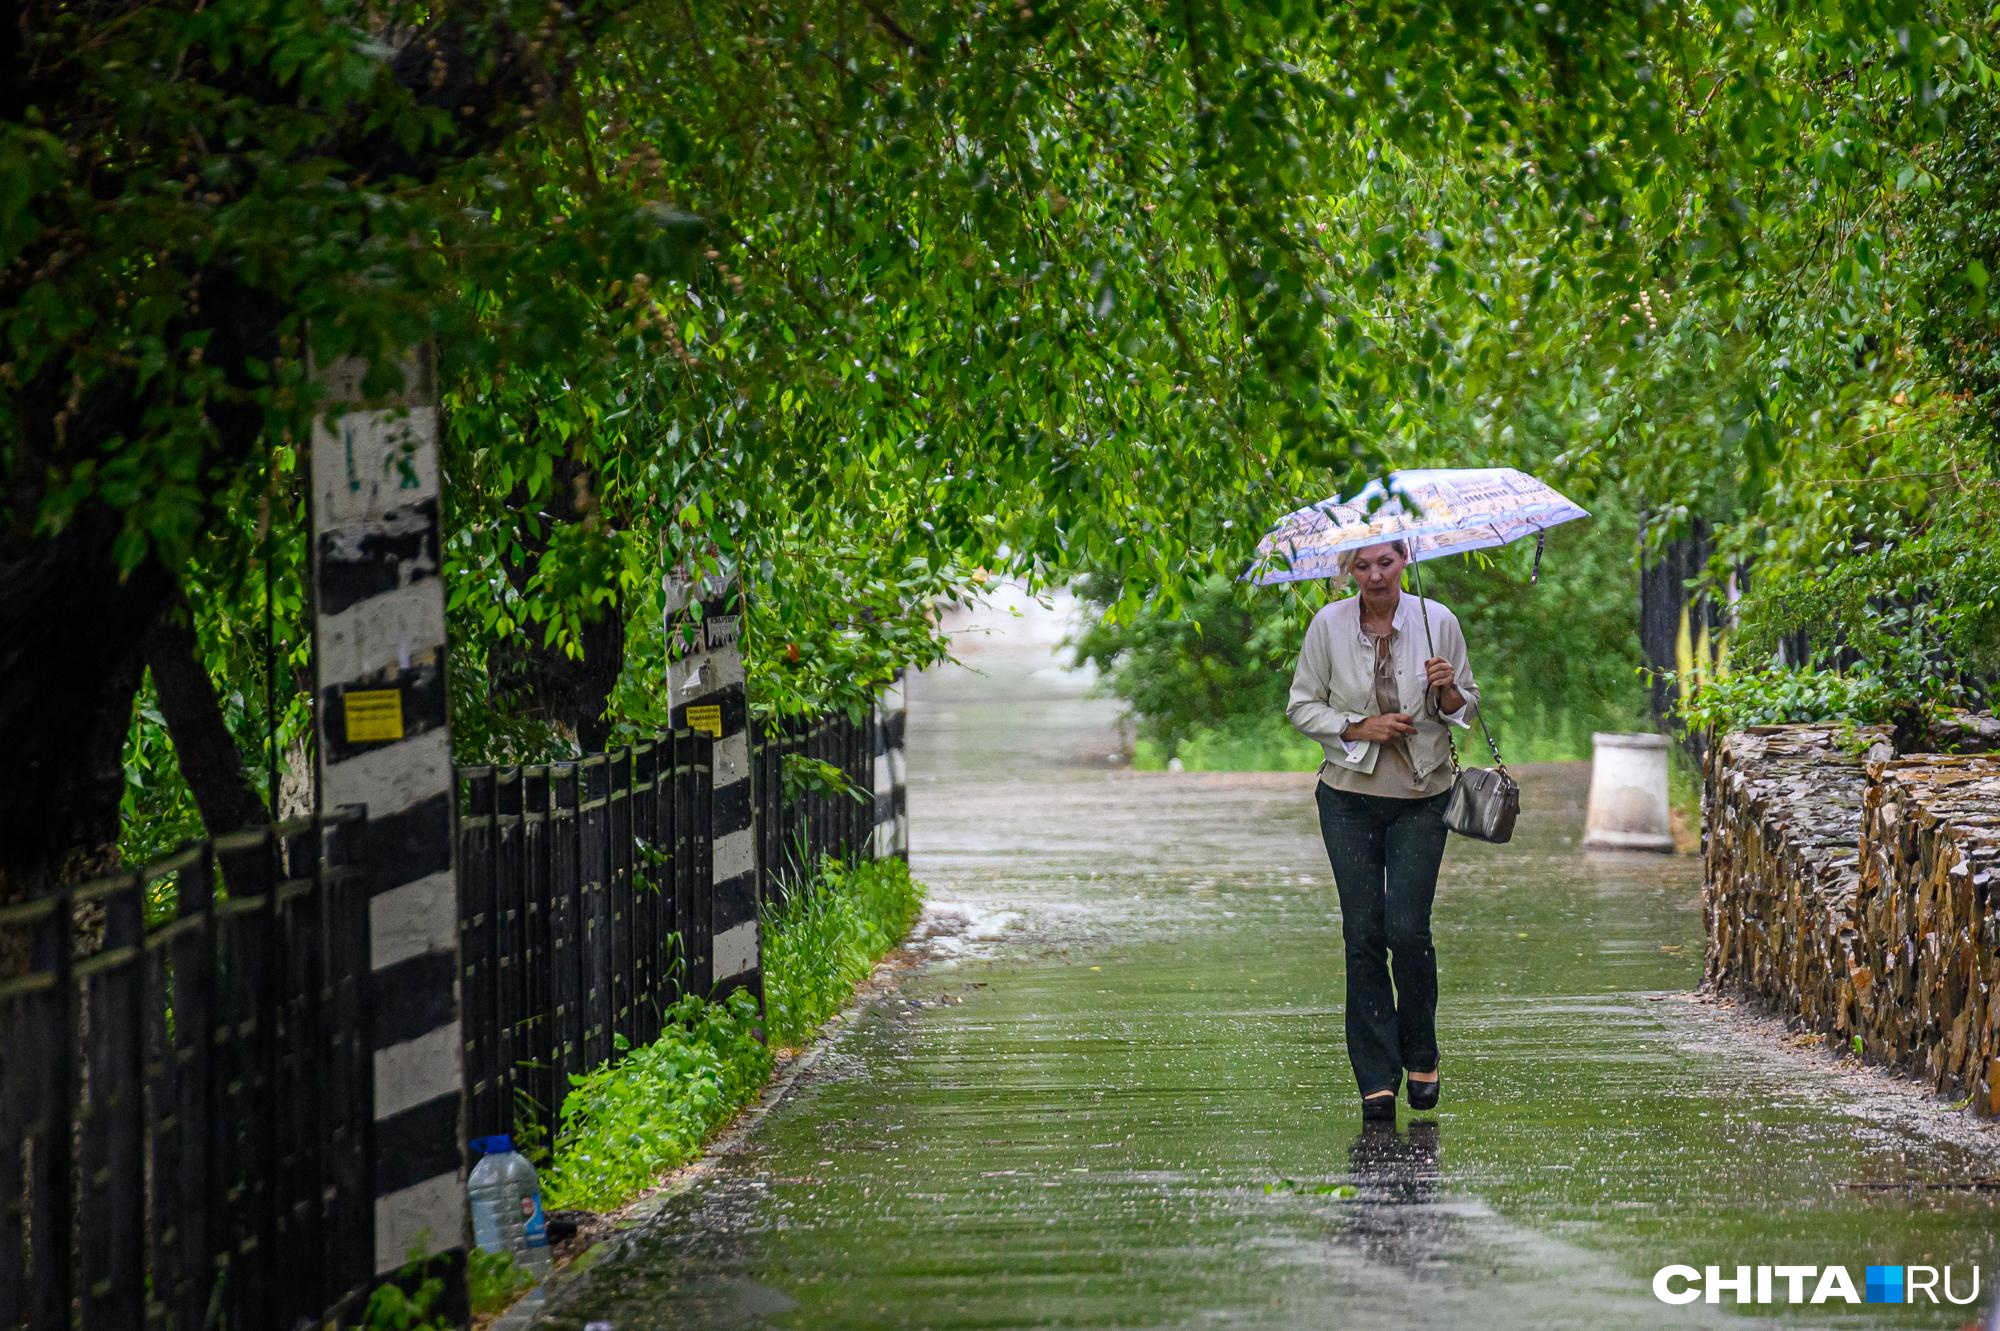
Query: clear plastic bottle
{"points": [[506, 1198]]}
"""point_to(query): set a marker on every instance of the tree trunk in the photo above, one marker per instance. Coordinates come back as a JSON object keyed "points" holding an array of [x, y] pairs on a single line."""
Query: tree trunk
{"points": [[70, 666], [207, 752], [73, 629]]}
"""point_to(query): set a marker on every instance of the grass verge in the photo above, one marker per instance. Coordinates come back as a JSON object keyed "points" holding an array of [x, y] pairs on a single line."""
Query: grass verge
{"points": [[823, 937], [1240, 744], [1534, 733]]}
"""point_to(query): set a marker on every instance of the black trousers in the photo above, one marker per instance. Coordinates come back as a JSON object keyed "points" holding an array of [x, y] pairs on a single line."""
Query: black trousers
{"points": [[1385, 854]]}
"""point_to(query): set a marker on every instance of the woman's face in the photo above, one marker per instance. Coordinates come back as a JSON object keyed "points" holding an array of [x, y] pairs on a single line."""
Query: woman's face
{"points": [[1377, 568]]}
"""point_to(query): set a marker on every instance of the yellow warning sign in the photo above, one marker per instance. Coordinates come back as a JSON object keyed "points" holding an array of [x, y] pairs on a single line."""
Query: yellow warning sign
{"points": [[374, 714], [706, 718]]}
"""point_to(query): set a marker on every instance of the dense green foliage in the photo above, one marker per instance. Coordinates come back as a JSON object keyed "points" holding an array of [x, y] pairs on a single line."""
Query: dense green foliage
{"points": [[1954, 257], [823, 935], [864, 300], [1897, 633], [649, 1111], [1807, 380], [1777, 696], [1859, 500]]}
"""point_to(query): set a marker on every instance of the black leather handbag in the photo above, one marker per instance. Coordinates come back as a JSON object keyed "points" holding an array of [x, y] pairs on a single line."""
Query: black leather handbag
{"points": [[1484, 801]]}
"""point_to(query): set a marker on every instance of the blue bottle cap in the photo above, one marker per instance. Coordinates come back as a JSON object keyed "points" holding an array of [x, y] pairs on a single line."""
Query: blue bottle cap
{"points": [[500, 1144]]}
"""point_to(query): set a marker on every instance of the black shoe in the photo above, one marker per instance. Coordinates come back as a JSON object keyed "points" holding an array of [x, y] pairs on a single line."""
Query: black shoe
{"points": [[1423, 1094], [1378, 1108]]}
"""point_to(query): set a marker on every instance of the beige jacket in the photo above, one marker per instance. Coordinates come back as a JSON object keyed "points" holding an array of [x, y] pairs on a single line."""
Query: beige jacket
{"points": [[1334, 684]]}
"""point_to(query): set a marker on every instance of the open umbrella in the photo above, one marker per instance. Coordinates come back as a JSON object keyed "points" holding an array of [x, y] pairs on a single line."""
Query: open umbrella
{"points": [[1456, 510], [1440, 511]]}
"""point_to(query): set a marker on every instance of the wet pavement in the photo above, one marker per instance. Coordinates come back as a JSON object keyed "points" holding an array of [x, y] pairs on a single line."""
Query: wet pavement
{"points": [[1133, 1108]]}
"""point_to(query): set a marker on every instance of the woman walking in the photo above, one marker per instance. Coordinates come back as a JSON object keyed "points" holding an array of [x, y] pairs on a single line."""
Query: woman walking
{"points": [[1379, 707]]}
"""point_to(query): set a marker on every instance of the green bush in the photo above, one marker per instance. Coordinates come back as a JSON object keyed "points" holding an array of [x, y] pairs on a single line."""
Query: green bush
{"points": [[824, 934], [409, 1299], [1225, 654], [631, 1120], [390, 1308], [1780, 696], [1922, 616]]}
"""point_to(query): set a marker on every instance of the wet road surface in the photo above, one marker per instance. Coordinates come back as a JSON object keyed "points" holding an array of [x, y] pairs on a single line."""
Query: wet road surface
{"points": [[1133, 1108]]}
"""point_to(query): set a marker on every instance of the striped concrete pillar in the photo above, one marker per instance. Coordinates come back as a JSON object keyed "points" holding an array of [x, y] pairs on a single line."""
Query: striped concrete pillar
{"points": [[379, 651], [892, 815], [706, 693]]}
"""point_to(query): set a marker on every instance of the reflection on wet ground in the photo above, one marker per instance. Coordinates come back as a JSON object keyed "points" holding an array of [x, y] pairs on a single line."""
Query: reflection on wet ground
{"points": [[1135, 1110]]}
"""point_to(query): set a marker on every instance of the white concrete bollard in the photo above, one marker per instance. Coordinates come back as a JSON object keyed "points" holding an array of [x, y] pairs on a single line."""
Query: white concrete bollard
{"points": [[1628, 793]]}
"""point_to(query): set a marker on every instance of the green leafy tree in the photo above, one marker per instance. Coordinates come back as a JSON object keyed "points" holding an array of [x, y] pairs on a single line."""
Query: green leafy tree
{"points": [[862, 299]]}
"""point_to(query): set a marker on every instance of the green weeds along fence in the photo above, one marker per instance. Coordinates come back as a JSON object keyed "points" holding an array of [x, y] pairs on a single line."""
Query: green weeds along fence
{"points": [[185, 1103], [187, 1127]]}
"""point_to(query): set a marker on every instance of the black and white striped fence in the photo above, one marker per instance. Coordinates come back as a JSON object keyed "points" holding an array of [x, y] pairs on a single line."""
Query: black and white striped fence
{"points": [[185, 1090], [892, 814], [597, 891], [814, 814], [379, 644], [584, 899], [706, 692]]}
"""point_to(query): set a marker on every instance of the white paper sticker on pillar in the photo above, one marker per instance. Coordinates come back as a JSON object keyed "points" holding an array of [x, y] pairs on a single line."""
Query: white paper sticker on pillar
{"points": [[704, 654]]}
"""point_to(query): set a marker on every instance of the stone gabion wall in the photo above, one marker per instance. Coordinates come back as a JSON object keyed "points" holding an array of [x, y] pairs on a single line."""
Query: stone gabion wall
{"points": [[1857, 894], [1929, 905], [1781, 827]]}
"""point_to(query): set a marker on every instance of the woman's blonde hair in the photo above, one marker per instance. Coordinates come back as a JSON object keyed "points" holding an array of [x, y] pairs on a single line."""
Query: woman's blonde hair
{"points": [[1346, 562]]}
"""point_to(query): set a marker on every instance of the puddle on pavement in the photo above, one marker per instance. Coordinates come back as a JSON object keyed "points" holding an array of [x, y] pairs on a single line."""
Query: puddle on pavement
{"points": [[1135, 1109]]}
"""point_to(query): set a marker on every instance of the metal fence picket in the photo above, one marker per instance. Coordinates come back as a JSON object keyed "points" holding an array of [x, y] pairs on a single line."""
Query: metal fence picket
{"points": [[181, 1117]]}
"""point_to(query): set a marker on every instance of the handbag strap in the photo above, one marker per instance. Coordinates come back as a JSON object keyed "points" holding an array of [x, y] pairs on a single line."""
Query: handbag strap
{"points": [[1498, 762], [1431, 695]]}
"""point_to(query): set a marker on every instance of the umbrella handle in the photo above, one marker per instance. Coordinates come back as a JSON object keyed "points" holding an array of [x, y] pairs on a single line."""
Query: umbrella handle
{"points": [[1418, 578], [1423, 613]]}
